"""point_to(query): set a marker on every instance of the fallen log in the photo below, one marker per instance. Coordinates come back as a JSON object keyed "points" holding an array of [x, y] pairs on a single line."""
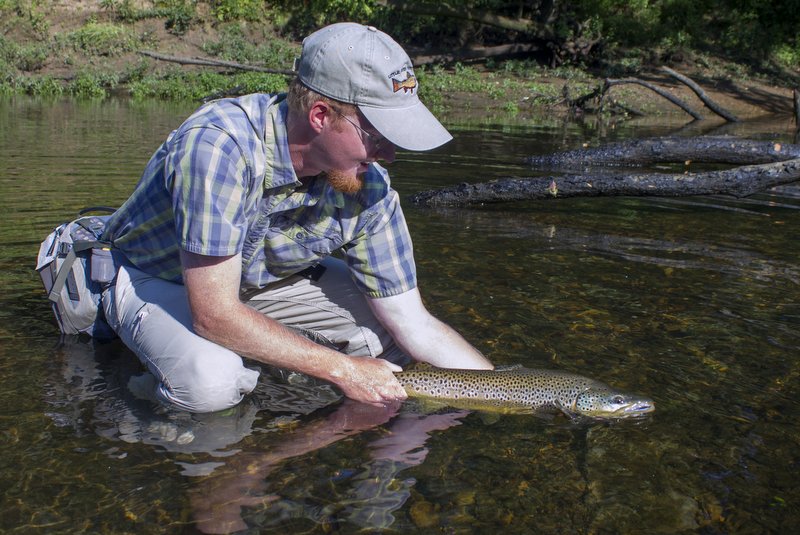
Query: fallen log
{"points": [[739, 182], [710, 104], [603, 90], [702, 149]]}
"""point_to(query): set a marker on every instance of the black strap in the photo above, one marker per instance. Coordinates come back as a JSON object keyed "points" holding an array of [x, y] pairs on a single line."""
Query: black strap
{"points": [[66, 267], [89, 209]]}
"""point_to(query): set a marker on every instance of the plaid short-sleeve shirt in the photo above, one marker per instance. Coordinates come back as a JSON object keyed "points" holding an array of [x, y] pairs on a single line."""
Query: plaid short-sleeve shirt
{"points": [[223, 184]]}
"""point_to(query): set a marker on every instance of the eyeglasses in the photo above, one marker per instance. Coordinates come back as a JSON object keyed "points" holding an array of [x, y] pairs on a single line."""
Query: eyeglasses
{"points": [[376, 140]]}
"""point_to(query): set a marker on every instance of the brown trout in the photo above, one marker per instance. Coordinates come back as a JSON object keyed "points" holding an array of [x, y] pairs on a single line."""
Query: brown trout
{"points": [[521, 390]]}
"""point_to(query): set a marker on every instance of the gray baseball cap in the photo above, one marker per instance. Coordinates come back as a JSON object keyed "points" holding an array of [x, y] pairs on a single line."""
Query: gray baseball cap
{"points": [[362, 65]]}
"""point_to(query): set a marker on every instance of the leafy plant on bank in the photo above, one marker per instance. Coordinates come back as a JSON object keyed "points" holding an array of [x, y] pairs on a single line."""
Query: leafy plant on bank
{"points": [[234, 45], [89, 84], [229, 10], [178, 15], [200, 85], [25, 57], [102, 39]]}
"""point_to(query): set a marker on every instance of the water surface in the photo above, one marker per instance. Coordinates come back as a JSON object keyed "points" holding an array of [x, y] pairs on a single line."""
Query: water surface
{"points": [[695, 302]]}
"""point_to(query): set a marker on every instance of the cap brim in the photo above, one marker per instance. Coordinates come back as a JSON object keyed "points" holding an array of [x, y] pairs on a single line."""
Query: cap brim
{"points": [[413, 128]]}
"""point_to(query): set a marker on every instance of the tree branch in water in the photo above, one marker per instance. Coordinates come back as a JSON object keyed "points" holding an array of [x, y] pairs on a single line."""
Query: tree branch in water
{"points": [[704, 149], [782, 167], [710, 104]]}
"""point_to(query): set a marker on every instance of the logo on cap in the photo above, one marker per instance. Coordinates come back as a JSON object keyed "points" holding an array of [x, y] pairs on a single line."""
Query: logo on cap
{"points": [[409, 84]]}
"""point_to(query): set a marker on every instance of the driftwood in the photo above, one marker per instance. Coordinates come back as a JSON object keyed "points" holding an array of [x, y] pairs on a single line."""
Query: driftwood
{"points": [[739, 182], [774, 164], [710, 104], [601, 92], [214, 63], [704, 149], [609, 83]]}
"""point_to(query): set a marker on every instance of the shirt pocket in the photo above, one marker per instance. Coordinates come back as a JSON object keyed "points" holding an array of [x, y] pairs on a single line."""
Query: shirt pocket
{"points": [[290, 246]]}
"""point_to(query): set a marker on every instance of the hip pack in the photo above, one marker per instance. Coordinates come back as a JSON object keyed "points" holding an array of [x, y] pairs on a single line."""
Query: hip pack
{"points": [[76, 266]]}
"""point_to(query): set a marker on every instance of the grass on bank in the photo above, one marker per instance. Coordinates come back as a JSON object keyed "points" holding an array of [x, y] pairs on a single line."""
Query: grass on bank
{"points": [[100, 55], [511, 85]]}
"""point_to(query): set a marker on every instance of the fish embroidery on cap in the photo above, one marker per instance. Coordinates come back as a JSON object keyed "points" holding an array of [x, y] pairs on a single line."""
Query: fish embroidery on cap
{"points": [[409, 84]]}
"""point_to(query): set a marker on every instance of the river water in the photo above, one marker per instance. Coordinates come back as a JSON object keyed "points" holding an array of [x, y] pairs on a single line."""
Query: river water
{"points": [[694, 302]]}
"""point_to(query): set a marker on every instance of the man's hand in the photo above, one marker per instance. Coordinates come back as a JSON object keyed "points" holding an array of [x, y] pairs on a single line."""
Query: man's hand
{"points": [[369, 380]]}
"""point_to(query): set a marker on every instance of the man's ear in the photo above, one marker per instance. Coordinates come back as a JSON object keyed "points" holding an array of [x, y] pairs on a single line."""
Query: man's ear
{"points": [[319, 115]]}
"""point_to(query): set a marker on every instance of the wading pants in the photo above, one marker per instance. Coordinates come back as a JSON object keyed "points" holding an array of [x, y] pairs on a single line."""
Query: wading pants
{"points": [[152, 318]]}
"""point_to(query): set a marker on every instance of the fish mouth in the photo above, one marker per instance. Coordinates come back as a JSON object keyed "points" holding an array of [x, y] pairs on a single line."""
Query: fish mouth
{"points": [[633, 410]]}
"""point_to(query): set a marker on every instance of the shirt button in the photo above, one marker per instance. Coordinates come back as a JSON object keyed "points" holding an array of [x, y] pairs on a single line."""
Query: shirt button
{"points": [[300, 235]]}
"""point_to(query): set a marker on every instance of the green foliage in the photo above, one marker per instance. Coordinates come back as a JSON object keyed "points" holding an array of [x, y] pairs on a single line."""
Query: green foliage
{"points": [[199, 85], [101, 39], [525, 68], [228, 10], [25, 57], [462, 78], [124, 10], [26, 16], [87, 84], [751, 29], [91, 85], [40, 86], [309, 15], [788, 55], [179, 14], [259, 82], [627, 22], [233, 45], [134, 72]]}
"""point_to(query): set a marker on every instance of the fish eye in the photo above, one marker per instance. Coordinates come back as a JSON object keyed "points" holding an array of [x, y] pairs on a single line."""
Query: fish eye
{"points": [[618, 400]]}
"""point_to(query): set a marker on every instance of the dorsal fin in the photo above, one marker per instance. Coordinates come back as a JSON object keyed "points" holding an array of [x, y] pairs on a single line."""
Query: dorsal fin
{"points": [[508, 367]]}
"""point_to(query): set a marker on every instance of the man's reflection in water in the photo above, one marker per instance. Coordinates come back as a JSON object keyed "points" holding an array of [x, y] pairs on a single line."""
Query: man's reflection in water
{"points": [[236, 481]]}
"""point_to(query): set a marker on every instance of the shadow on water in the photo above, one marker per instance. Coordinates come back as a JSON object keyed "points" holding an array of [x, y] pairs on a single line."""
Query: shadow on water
{"points": [[694, 302]]}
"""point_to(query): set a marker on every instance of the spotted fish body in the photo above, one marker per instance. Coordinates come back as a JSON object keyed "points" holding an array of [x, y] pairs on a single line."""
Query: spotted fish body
{"points": [[521, 390]]}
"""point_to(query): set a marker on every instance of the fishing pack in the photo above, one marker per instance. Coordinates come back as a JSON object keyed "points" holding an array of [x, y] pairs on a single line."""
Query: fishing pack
{"points": [[76, 266]]}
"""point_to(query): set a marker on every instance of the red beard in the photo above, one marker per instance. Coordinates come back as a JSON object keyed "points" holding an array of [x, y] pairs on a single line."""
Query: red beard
{"points": [[344, 182]]}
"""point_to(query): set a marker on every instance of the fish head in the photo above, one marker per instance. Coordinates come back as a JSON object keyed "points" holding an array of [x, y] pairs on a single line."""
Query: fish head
{"points": [[604, 402]]}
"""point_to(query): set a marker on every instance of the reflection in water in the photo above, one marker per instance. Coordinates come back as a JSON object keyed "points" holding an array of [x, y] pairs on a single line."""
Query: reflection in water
{"points": [[225, 491], [683, 254]]}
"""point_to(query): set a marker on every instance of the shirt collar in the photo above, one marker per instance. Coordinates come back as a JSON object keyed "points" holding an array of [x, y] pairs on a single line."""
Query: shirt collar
{"points": [[279, 168]]}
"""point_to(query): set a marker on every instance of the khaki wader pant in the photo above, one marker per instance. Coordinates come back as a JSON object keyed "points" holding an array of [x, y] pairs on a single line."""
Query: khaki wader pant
{"points": [[152, 318]]}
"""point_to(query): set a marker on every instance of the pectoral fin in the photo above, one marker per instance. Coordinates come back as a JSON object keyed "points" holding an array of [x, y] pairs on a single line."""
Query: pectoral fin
{"points": [[564, 408]]}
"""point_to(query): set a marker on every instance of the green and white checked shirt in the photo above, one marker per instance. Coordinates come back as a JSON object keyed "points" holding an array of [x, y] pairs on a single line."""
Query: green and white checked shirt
{"points": [[223, 183]]}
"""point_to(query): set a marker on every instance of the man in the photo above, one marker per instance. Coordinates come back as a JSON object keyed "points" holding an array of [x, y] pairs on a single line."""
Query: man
{"points": [[228, 235]]}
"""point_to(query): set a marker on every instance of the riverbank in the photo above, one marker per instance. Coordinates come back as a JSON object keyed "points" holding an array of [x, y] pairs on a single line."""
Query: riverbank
{"points": [[91, 49]]}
